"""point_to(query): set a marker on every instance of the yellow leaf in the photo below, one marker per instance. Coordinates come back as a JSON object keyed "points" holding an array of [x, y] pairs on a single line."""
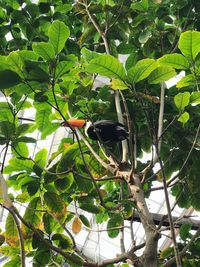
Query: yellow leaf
{"points": [[103, 192], [159, 176], [118, 85], [76, 225]]}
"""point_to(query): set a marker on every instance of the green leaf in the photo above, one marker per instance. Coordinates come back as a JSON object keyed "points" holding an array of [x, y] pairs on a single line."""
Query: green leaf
{"points": [[184, 117], [89, 208], [50, 224], [31, 215], [62, 68], [58, 34], [8, 79], [51, 128], [41, 157], [115, 221], [141, 70], [54, 202], [144, 36], [181, 100], [33, 187], [64, 183], [126, 49], [161, 74], [45, 50], [68, 158], [185, 231], [175, 60], [28, 55], [88, 55], [24, 128], [63, 241], [141, 6], [7, 129], [16, 63], [107, 65], [20, 149], [195, 98], [6, 113], [189, 44], [118, 85], [131, 61], [42, 116], [26, 139], [16, 164], [188, 80], [41, 257], [11, 228], [84, 220], [14, 261], [23, 197]]}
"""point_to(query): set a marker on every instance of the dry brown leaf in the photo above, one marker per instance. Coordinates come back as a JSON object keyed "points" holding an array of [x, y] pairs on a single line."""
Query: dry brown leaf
{"points": [[76, 225]]}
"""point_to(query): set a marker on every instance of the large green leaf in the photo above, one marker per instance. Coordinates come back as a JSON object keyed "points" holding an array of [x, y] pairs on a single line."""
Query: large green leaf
{"points": [[141, 70], [62, 68], [42, 256], [175, 60], [41, 157], [63, 184], [11, 228], [141, 6], [181, 100], [188, 80], [90, 208], [51, 128], [63, 241], [184, 117], [115, 221], [161, 74], [16, 164], [50, 224], [88, 55], [58, 34], [45, 50], [7, 129], [54, 202], [31, 214], [107, 65], [16, 63], [189, 44], [6, 113], [195, 98], [20, 149], [68, 158], [42, 116], [13, 262], [185, 231], [8, 79]]}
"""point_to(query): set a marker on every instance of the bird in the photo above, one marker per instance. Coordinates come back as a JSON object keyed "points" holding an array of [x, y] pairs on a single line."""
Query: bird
{"points": [[102, 130]]}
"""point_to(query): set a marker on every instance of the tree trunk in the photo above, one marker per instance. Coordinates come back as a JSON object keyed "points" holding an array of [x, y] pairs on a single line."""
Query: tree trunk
{"points": [[149, 257]]}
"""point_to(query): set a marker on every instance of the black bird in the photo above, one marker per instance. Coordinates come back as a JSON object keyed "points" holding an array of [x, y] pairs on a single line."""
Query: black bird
{"points": [[103, 130], [107, 131]]}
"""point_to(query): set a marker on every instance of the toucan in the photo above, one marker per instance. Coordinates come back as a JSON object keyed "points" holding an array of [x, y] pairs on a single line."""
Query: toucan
{"points": [[103, 130]]}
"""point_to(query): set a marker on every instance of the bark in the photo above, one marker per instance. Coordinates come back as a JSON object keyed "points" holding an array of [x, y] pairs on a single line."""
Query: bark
{"points": [[149, 257]]}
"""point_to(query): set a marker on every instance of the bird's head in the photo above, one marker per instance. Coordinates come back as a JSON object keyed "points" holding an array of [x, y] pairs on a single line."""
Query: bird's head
{"points": [[74, 123]]}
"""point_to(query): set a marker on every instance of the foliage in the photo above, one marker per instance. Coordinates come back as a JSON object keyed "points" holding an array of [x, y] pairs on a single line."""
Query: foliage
{"points": [[51, 53]]}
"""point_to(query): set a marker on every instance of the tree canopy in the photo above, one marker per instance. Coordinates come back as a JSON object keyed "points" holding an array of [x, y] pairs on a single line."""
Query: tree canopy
{"points": [[52, 54]]}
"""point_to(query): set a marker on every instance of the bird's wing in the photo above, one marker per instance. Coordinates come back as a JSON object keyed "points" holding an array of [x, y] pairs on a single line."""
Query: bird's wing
{"points": [[107, 123]]}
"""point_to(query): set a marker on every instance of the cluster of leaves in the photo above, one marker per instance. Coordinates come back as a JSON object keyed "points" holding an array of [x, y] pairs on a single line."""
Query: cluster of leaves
{"points": [[47, 65]]}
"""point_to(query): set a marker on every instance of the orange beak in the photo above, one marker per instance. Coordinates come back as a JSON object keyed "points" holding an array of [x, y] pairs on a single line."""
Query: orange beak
{"points": [[74, 123]]}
